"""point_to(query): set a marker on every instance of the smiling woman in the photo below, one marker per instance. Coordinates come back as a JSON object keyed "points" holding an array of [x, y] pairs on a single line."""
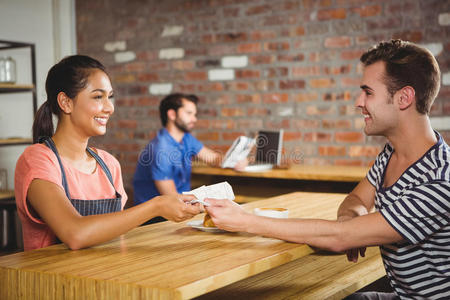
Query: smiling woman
{"points": [[66, 191], [93, 105]]}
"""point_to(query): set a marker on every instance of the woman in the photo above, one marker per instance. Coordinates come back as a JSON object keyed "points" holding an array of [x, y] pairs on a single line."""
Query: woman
{"points": [[66, 190]]}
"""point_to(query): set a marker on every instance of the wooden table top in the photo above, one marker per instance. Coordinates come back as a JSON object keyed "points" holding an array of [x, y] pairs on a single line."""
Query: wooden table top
{"points": [[6, 194], [298, 172], [159, 261]]}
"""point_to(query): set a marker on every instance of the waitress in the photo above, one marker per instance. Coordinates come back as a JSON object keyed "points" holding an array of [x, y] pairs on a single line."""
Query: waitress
{"points": [[66, 191]]}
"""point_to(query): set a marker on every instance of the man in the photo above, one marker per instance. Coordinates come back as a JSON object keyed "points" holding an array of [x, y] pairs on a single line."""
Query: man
{"points": [[164, 166], [409, 184]]}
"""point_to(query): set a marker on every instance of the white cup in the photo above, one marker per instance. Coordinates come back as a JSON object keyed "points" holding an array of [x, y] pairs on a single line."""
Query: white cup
{"points": [[280, 213]]}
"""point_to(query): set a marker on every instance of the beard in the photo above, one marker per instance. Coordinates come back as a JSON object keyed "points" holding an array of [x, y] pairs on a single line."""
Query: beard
{"points": [[182, 126]]}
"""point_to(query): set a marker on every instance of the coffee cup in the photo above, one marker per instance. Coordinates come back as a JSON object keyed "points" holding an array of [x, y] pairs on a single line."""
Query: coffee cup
{"points": [[277, 212]]}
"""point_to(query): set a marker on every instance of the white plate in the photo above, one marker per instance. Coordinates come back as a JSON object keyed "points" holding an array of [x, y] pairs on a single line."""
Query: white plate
{"points": [[198, 224]]}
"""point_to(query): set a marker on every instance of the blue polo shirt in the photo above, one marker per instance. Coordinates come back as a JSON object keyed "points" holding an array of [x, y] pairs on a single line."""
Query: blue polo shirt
{"points": [[163, 159]]}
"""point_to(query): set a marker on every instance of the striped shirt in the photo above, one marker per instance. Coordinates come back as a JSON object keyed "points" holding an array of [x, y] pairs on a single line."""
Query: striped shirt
{"points": [[417, 206]]}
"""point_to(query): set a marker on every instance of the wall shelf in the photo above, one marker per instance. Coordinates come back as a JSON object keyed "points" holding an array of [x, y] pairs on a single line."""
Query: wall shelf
{"points": [[15, 88], [6, 195], [10, 229], [7, 88], [15, 141]]}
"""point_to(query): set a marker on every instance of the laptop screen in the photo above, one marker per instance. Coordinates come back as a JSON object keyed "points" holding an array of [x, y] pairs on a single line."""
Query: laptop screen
{"points": [[268, 147]]}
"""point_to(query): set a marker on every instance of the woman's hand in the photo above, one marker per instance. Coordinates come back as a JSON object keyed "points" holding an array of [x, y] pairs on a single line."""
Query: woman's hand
{"points": [[177, 207], [227, 215]]}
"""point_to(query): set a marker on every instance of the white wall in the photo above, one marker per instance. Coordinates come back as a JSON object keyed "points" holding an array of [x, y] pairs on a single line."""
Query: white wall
{"points": [[49, 24]]}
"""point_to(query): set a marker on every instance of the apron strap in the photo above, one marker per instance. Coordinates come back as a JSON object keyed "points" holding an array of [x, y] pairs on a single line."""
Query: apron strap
{"points": [[102, 165], [49, 142]]}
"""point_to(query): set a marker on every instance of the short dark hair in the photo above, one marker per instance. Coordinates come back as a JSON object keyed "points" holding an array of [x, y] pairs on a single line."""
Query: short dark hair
{"points": [[173, 101], [407, 64]]}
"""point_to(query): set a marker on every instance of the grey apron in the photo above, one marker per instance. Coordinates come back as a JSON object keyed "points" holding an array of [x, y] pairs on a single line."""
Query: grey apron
{"points": [[89, 207]]}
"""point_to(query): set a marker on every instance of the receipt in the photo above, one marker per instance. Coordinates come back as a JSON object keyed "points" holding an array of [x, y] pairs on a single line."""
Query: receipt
{"points": [[222, 190]]}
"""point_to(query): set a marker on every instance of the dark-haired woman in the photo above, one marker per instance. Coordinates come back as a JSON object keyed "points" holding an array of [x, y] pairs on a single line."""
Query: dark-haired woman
{"points": [[66, 190]]}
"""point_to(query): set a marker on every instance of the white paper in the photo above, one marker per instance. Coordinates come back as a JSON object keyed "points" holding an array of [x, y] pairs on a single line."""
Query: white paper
{"points": [[222, 190], [238, 151]]}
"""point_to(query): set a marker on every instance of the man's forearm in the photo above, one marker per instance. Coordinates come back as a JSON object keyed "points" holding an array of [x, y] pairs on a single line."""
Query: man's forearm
{"points": [[319, 233], [210, 157], [216, 161], [369, 229]]}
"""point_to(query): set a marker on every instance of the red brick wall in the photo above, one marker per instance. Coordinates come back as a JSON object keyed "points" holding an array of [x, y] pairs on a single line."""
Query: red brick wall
{"points": [[301, 72]]}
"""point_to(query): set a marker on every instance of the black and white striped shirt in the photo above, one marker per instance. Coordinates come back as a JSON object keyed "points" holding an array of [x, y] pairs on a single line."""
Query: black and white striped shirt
{"points": [[418, 207]]}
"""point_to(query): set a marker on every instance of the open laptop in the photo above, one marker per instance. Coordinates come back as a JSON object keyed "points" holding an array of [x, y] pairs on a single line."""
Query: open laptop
{"points": [[268, 151]]}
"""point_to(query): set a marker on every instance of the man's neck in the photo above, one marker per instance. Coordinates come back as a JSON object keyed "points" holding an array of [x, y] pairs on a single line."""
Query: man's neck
{"points": [[174, 132], [413, 139]]}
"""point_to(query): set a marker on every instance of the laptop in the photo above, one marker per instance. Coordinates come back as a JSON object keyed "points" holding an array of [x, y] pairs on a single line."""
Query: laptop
{"points": [[268, 151]]}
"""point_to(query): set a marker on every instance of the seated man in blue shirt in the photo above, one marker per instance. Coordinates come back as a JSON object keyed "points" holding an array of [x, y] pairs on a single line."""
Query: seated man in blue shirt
{"points": [[164, 166]]}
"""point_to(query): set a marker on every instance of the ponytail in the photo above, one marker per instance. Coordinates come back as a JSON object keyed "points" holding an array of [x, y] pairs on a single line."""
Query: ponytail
{"points": [[43, 123]]}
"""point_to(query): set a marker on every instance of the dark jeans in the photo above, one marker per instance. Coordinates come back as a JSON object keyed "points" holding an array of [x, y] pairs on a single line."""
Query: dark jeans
{"points": [[377, 290], [371, 296]]}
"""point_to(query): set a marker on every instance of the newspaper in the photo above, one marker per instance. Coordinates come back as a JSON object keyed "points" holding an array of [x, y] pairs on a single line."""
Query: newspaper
{"points": [[238, 151]]}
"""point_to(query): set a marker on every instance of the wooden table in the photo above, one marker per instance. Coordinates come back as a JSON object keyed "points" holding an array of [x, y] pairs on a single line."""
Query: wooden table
{"points": [[294, 172], [319, 275], [253, 186], [159, 261]]}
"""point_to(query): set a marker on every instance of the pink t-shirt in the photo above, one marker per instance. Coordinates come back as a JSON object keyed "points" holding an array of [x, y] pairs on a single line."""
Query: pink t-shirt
{"points": [[39, 162]]}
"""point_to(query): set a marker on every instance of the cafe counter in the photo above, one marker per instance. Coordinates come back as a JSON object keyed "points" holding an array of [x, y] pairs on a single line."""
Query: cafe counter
{"points": [[171, 260]]}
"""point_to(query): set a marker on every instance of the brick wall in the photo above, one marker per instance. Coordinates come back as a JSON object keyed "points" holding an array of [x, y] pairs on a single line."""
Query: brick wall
{"points": [[254, 64]]}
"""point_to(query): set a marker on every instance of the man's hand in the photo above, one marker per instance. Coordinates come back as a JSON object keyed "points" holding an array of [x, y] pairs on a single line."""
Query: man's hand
{"points": [[352, 254], [240, 166], [177, 207], [227, 214]]}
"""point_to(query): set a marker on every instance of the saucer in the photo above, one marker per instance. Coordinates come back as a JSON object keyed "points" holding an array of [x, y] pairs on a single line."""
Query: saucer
{"points": [[198, 224]]}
